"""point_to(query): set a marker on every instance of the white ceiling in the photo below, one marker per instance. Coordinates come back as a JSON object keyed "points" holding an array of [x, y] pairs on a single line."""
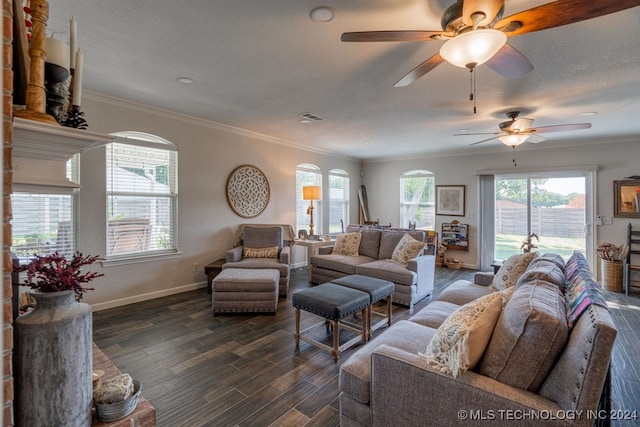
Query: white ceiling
{"points": [[258, 64]]}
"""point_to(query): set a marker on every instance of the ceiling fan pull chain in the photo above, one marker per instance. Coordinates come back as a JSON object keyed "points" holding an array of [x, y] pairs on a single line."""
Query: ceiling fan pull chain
{"points": [[515, 165], [472, 82]]}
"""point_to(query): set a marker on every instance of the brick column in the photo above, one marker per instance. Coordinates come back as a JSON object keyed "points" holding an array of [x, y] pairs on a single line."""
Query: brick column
{"points": [[7, 178]]}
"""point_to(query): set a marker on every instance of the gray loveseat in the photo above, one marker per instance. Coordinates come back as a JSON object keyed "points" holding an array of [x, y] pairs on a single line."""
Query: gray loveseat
{"points": [[388, 381], [413, 282]]}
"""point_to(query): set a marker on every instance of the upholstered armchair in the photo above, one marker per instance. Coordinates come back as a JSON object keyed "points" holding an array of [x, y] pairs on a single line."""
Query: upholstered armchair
{"points": [[262, 247]]}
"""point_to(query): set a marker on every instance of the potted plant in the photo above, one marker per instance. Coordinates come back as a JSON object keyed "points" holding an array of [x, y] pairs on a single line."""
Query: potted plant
{"points": [[54, 343], [54, 273]]}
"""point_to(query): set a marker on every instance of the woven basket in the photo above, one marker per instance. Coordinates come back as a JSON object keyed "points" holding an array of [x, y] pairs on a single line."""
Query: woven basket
{"points": [[454, 265], [611, 275]]}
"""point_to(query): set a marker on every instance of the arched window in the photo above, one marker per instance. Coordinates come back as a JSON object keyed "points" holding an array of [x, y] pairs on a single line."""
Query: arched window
{"points": [[142, 195], [417, 199], [338, 200], [308, 175]]}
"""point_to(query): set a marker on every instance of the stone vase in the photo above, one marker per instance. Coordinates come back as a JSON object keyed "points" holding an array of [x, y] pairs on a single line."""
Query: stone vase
{"points": [[54, 362]]}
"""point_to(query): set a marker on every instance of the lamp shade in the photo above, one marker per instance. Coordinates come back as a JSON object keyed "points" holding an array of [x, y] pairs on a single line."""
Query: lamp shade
{"points": [[514, 139], [473, 48], [312, 192]]}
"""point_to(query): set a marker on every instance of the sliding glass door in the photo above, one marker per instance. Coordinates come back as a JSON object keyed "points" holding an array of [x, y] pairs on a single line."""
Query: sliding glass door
{"points": [[553, 209]]}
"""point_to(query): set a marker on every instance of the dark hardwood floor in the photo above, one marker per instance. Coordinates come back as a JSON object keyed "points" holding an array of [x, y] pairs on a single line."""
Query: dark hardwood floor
{"points": [[245, 370]]}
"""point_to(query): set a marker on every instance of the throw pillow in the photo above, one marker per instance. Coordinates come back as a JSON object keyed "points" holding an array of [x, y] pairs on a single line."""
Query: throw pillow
{"points": [[582, 289], [407, 249], [511, 269], [347, 244], [528, 337], [460, 341], [271, 252]]}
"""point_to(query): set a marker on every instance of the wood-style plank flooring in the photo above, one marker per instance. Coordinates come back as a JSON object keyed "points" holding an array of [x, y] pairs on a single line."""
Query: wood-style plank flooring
{"points": [[245, 370]]}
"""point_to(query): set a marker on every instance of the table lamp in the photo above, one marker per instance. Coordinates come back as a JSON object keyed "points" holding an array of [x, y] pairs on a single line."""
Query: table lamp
{"points": [[311, 193]]}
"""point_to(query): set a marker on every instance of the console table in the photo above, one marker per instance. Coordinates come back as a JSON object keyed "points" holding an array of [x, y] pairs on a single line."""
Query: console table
{"points": [[143, 416]]}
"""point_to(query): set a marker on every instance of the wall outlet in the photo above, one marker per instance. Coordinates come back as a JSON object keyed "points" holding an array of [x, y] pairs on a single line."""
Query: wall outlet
{"points": [[195, 266], [607, 220]]}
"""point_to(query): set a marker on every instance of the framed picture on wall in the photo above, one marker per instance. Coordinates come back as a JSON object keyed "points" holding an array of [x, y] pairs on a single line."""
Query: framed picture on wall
{"points": [[626, 198], [450, 200]]}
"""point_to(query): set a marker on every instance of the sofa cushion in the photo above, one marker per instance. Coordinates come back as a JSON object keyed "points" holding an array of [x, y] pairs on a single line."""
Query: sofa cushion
{"points": [[271, 252], [342, 263], [355, 372], [370, 243], [463, 291], [347, 244], [387, 270], [389, 240], [268, 263], [511, 270], [461, 340], [528, 338], [407, 248], [434, 314], [543, 269]]}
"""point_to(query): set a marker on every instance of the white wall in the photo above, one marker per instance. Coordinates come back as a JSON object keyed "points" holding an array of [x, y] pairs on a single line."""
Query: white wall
{"points": [[615, 161], [206, 225]]}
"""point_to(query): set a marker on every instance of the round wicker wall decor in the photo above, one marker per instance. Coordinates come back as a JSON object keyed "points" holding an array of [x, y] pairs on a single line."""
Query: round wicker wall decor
{"points": [[247, 191]]}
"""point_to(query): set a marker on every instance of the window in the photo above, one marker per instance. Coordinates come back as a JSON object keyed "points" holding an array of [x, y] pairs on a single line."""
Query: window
{"points": [[142, 192], [307, 174], [338, 200], [43, 221], [44, 216], [417, 199]]}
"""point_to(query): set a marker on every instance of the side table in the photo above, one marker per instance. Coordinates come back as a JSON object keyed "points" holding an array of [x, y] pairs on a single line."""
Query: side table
{"points": [[212, 270]]}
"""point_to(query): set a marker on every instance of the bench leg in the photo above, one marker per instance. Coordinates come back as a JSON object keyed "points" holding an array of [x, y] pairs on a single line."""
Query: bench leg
{"points": [[297, 334], [336, 341]]}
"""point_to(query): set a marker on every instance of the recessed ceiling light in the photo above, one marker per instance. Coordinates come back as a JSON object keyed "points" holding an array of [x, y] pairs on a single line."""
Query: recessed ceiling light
{"points": [[184, 80], [304, 121], [323, 14], [367, 142], [589, 113], [463, 130]]}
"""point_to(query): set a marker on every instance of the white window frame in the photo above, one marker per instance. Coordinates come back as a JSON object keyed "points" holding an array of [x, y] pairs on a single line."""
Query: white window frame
{"points": [[146, 229], [338, 203], [308, 174], [406, 206]]}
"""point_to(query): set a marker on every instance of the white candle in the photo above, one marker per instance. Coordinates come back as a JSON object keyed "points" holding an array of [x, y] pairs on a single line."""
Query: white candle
{"points": [[77, 80], [72, 41], [57, 52]]}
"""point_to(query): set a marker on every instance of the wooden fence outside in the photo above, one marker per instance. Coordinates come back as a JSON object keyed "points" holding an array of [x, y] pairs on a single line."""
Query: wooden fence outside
{"points": [[559, 222]]}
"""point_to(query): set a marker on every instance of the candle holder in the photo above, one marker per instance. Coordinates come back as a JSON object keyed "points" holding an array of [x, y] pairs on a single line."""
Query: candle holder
{"points": [[56, 90], [75, 118]]}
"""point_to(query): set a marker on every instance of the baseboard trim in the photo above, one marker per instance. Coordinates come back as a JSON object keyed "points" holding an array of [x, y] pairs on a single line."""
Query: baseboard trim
{"points": [[148, 296]]}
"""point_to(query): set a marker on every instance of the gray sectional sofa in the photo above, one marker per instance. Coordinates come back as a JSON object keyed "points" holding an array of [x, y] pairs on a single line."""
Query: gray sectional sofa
{"points": [[413, 282], [543, 365]]}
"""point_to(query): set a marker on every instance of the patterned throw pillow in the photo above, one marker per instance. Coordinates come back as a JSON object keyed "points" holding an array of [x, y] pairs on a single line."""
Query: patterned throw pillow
{"points": [[271, 252], [460, 341], [511, 270], [407, 249], [347, 244], [582, 288]]}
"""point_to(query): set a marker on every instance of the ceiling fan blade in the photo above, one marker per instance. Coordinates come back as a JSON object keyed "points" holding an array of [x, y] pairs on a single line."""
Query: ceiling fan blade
{"points": [[561, 12], [477, 133], [485, 140], [521, 124], [490, 8], [393, 36], [510, 62], [558, 128], [420, 71], [535, 139]]}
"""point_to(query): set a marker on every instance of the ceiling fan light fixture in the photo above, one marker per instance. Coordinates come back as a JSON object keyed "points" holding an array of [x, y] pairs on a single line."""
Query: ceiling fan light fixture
{"points": [[474, 47], [514, 139]]}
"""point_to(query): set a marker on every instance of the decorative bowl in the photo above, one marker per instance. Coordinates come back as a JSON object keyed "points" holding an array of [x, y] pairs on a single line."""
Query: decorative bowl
{"points": [[115, 411]]}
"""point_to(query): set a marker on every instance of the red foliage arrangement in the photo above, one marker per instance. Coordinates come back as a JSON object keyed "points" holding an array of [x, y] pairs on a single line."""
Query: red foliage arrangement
{"points": [[53, 273]]}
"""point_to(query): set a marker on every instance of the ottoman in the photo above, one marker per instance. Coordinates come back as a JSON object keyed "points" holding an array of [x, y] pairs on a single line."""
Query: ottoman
{"points": [[334, 303], [239, 290], [377, 289]]}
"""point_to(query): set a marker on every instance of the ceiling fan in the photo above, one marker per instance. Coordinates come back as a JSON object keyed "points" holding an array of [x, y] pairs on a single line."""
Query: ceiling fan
{"points": [[517, 130], [476, 33]]}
